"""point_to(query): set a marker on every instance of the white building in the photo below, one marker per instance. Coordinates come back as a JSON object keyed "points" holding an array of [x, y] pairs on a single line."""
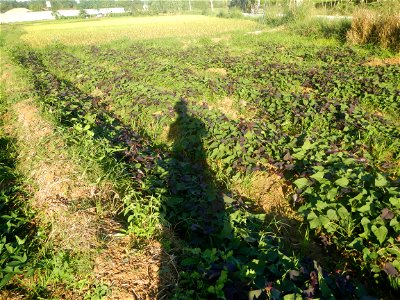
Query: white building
{"points": [[25, 15], [68, 12], [104, 11]]}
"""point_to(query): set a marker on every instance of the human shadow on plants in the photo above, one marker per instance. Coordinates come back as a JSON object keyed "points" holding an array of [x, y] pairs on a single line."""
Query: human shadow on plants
{"points": [[193, 196], [228, 249], [194, 207]]}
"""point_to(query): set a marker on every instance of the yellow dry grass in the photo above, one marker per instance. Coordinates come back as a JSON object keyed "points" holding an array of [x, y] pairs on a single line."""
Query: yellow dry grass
{"points": [[374, 62], [105, 30], [372, 27], [268, 190]]}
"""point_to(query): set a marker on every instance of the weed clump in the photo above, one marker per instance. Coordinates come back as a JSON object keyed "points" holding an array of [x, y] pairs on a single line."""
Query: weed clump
{"points": [[372, 27]]}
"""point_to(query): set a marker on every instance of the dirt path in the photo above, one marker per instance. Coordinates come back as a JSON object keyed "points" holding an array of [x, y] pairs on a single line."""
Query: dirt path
{"points": [[58, 182], [81, 214]]}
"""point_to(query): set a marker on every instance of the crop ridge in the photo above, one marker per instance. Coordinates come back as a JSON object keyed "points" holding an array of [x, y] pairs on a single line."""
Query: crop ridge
{"points": [[60, 187]]}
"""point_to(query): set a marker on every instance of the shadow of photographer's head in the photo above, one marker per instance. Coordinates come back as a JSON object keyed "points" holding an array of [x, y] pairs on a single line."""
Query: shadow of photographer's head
{"points": [[181, 107]]}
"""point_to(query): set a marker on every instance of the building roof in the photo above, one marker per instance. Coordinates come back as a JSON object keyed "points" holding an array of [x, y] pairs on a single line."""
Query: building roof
{"points": [[17, 11]]}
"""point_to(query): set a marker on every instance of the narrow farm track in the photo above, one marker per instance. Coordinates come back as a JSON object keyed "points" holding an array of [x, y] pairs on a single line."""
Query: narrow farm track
{"points": [[67, 201], [58, 182]]}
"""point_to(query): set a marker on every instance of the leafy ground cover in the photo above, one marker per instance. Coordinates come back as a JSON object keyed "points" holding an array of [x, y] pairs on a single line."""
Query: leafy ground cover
{"points": [[17, 227], [187, 122]]}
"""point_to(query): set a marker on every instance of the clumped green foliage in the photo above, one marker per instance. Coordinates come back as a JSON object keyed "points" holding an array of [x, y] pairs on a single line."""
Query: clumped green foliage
{"points": [[16, 229], [312, 121], [306, 20]]}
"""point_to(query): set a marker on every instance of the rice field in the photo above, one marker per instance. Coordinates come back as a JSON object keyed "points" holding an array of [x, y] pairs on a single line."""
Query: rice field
{"points": [[106, 30]]}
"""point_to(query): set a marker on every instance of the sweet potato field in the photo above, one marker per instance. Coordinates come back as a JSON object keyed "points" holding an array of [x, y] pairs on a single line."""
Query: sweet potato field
{"points": [[187, 127]]}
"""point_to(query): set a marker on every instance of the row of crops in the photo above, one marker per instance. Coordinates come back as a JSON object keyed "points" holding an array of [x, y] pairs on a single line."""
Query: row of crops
{"points": [[18, 235], [319, 117]]}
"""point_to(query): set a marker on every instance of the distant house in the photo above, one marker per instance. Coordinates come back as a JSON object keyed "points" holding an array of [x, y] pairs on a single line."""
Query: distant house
{"points": [[104, 11], [92, 11], [68, 12], [113, 10], [25, 15]]}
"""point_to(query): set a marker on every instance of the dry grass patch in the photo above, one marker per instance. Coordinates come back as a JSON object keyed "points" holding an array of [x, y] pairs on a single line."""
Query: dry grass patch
{"points": [[269, 191], [232, 110], [164, 136], [73, 208], [226, 106], [219, 71], [10, 295], [373, 27], [219, 39], [79, 213], [376, 62], [146, 273], [57, 181]]}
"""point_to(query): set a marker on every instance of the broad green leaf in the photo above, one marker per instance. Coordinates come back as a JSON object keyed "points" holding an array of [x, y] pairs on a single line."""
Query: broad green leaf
{"points": [[319, 176], [365, 208], [343, 213], [343, 182], [299, 155], [395, 201], [331, 195], [307, 145], [19, 240], [395, 251], [323, 220], [380, 232], [301, 183], [357, 244], [314, 223], [227, 200], [395, 224], [255, 294], [311, 216], [380, 181], [331, 213], [349, 161], [321, 205], [365, 221], [293, 297], [6, 279]]}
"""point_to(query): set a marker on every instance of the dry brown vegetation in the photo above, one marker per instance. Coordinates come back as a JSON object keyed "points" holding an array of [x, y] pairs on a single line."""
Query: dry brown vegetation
{"points": [[383, 62], [372, 27]]}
